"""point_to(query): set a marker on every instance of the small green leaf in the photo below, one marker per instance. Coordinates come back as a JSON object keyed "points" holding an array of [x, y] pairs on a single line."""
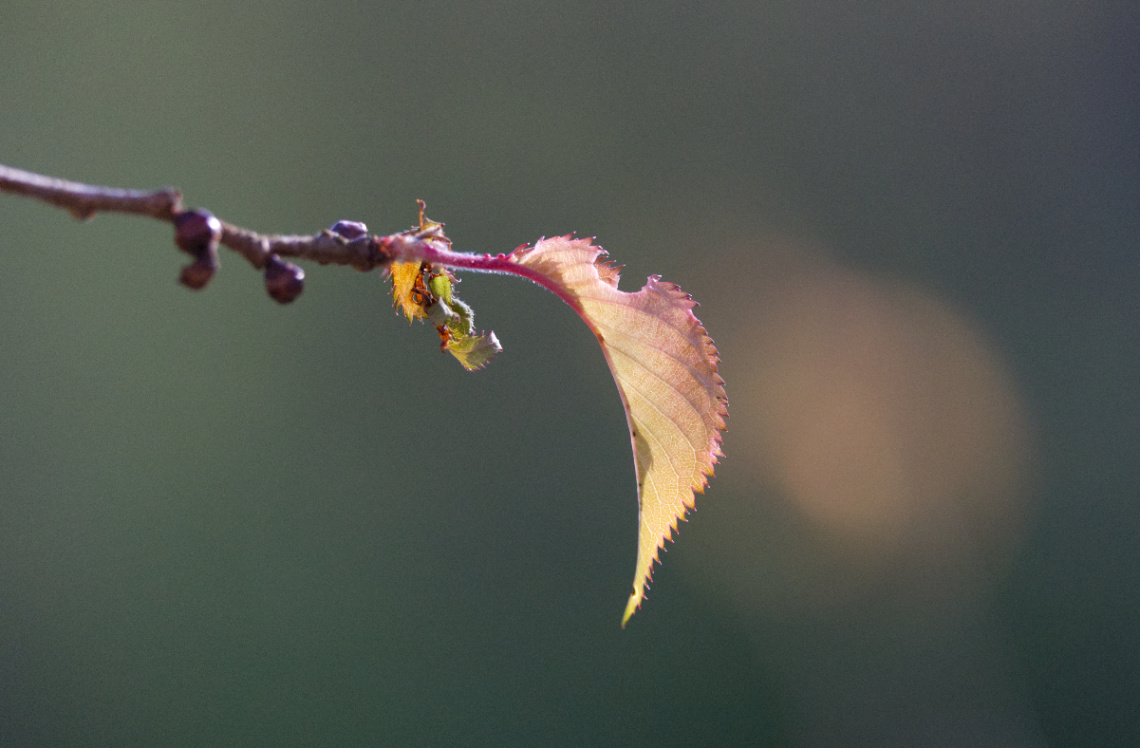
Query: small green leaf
{"points": [[474, 351]]}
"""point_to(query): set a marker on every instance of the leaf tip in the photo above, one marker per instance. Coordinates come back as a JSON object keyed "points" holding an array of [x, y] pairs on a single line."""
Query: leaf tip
{"points": [[632, 606]]}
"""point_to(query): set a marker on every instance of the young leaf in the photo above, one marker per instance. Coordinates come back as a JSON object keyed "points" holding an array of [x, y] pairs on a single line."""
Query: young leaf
{"points": [[423, 291], [665, 367]]}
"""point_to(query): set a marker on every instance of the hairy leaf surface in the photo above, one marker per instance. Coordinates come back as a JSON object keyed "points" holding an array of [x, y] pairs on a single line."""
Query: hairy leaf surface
{"points": [[665, 367]]}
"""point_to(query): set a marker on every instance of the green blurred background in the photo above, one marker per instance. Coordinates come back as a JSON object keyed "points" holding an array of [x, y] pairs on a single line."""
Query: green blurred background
{"points": [[912, 227]]}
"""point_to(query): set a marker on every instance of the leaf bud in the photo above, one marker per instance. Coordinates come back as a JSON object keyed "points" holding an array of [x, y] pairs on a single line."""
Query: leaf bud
{"points": [[198, 273], [197, 231], [284, 281], [349, 229]]}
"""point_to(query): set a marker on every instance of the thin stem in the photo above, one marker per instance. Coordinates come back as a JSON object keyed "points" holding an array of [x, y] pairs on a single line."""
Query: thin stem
{"points": [[85, 200], [410, 247]]}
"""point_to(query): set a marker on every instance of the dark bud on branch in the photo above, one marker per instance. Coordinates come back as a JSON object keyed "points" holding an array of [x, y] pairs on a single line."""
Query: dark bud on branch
{"points": [[283, 280], [197, 233], [349, 229], [198, 273]]}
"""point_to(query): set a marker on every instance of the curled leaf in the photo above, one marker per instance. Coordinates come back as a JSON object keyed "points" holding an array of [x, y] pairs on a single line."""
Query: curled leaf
{"points": [[423, 291], [665, 367]]}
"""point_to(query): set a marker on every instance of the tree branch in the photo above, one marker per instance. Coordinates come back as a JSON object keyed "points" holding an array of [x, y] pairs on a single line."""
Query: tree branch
{"points": [[328, 247], [84, 200], [199, 233]]}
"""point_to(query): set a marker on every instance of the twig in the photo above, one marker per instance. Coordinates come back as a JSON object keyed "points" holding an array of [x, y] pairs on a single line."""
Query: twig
{"points": [[327, 248], [199, 233], [84, 200]]}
